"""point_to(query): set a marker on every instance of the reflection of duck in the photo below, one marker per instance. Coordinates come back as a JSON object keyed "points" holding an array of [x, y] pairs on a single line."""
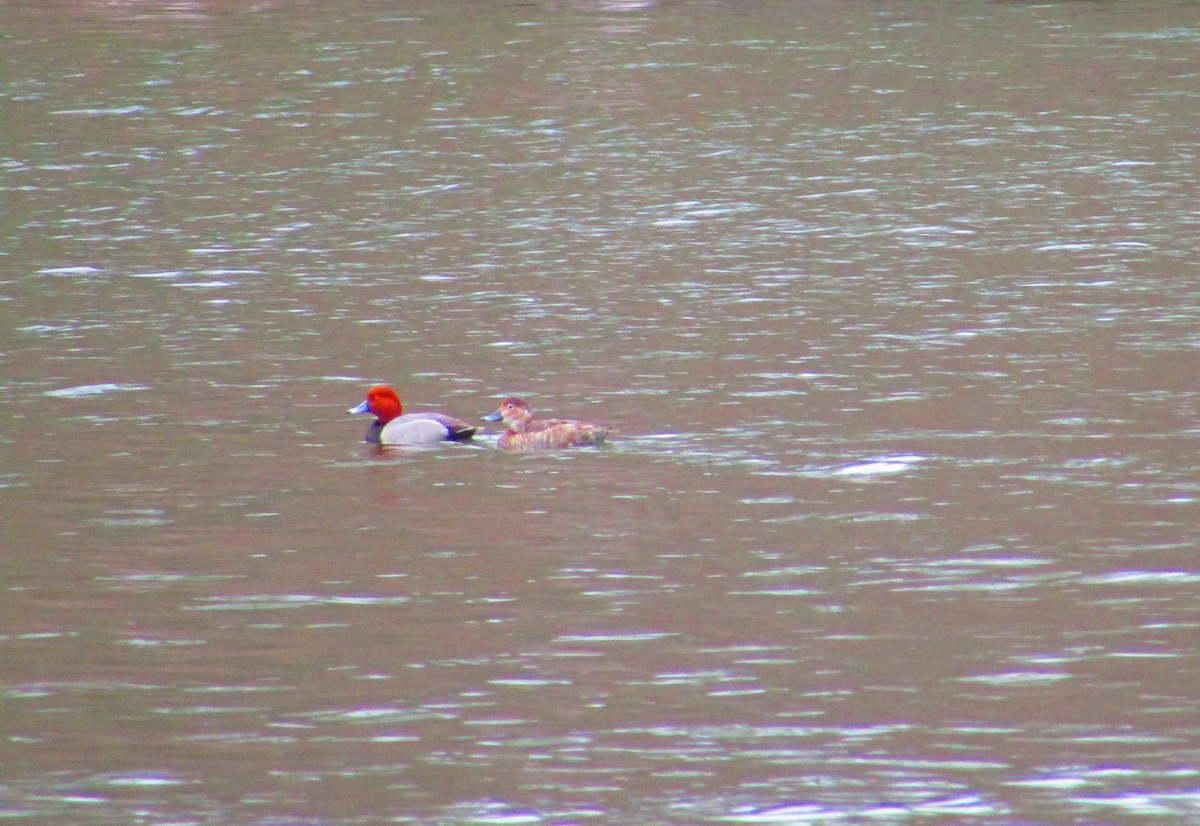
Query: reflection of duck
{"points": [[394, 427], [527, 433]]}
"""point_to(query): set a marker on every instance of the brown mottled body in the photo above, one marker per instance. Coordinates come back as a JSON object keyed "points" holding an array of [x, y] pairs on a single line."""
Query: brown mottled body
{"points": [[527, 433]]}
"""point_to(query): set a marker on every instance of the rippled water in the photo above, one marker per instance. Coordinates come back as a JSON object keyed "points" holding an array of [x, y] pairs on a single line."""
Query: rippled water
{"points": [[894, 308]]}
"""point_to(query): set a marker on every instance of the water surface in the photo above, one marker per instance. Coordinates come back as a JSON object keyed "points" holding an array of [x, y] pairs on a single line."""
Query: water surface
{"points": [[893, 305]]}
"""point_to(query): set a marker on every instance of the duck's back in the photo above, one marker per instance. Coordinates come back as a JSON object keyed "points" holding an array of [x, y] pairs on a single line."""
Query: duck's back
{"points": [[551, 433], [425, 429]]}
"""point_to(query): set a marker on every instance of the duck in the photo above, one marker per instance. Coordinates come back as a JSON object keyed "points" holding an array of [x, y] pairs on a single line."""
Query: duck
{"points": [[527, 433], [394, 427]]}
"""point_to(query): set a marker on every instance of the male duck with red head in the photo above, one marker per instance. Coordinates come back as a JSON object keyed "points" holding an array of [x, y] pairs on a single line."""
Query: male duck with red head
{"points": [[527, 433], [393, 426]]}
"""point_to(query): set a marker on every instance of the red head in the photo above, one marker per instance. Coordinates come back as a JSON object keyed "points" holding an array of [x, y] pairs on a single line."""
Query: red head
{"points": [[383, 402], [514, 412]]}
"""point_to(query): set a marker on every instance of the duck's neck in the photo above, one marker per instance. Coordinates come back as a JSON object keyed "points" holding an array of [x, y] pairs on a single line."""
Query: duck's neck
{"points": [[517, 424], [373, 432], [386, 409]]}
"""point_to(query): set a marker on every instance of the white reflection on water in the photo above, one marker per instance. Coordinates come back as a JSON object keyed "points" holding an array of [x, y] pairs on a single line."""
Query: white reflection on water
{"points": [[86, 390]]}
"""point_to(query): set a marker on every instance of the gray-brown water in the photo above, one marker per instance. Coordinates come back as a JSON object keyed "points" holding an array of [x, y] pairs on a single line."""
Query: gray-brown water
{"points": [[894, 305]]}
